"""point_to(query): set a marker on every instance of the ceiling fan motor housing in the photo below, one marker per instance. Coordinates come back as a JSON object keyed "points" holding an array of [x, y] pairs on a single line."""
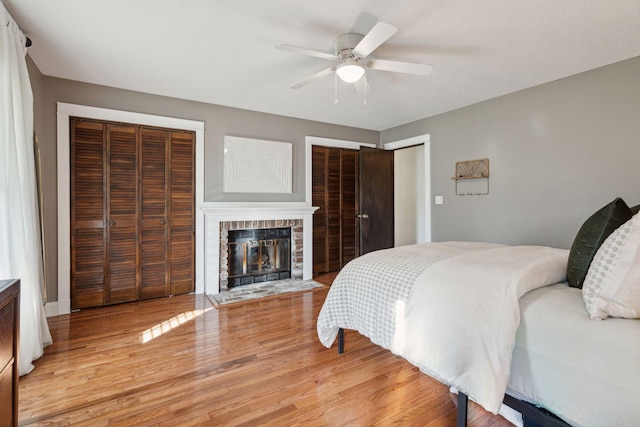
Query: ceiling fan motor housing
{"points": [[344, 44]]}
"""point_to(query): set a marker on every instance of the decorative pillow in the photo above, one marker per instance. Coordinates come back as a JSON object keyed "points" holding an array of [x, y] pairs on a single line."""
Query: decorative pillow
{"points": [[635, 209], [591, 235], [612, 285]]}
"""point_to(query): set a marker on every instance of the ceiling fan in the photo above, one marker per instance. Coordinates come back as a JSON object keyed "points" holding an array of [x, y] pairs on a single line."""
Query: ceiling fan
{"points": [[351, 53]]}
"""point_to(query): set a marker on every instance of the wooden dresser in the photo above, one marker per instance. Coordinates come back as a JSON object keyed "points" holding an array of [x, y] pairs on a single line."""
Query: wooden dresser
{"points": [[9, 336]]}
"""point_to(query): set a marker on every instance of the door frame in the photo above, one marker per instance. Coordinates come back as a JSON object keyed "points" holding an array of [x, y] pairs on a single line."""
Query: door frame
{"points": [[64, 112], [325, 142], [410, 142], [424, 139]]}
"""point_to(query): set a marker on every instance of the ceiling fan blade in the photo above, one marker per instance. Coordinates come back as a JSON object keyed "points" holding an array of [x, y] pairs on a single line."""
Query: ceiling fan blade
{"points": [[400, 67], [379, 34], [316, 76], [308, 52]]}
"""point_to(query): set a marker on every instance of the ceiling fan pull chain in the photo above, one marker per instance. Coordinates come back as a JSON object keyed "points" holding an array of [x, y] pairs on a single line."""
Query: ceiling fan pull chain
{"points": [[335, 88], [364, 87]]}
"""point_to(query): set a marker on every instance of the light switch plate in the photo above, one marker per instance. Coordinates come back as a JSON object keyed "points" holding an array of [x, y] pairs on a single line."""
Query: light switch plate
{"points": [[439, 200]]}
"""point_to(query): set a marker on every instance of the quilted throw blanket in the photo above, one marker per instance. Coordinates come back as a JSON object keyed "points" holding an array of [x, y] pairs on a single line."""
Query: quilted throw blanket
{"points": [[449, 308]]}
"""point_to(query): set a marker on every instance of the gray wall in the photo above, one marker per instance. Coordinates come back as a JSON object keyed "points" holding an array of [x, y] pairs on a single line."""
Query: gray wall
{"points": [[557, 152], [219, 121]]}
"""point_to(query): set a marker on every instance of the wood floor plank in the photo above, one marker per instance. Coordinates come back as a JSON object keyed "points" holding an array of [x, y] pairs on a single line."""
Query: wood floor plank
{"points": [[180, 362]]}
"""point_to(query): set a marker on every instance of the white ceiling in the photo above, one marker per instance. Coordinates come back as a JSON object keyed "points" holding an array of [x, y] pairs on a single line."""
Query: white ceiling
{"points": [[222, 51]]}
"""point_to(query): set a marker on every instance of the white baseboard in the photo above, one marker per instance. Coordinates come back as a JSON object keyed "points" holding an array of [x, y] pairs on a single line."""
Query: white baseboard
{"points": [[51, 309], [56, 308]]}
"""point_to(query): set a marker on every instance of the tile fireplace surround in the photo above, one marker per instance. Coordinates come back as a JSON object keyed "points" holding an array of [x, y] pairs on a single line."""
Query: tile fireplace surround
{"points": [[219, 218]]}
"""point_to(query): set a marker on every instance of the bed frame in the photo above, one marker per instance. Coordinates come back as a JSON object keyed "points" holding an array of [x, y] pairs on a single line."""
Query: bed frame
{"points": [[532, 415]]}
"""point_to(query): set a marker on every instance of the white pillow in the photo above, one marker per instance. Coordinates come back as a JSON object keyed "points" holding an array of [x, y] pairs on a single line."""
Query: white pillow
{"points": [[612, 285]]}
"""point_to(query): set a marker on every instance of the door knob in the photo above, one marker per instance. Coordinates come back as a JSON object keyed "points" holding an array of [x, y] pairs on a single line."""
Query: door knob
{"points": [[112, 223], [163, 222]]}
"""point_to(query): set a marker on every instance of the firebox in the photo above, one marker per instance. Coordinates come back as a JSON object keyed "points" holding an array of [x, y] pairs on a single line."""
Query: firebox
{"points": [[259, 255]]}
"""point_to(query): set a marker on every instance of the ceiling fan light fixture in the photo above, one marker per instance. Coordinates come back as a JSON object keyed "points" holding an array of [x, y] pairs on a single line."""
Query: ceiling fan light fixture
{"points": [[350, 71]]}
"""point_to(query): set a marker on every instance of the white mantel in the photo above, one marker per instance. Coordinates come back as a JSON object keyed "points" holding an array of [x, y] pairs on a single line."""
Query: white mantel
{"points": [[215, 213]]}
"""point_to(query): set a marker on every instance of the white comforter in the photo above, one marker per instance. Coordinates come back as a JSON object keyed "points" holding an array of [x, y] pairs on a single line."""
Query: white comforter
{"points": [[449, 308], [585, 371]]}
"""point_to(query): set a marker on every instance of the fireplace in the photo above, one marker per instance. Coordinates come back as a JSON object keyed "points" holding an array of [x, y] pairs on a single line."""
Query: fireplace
{"points": [[244, 262], [222, 218], [258, 255]]}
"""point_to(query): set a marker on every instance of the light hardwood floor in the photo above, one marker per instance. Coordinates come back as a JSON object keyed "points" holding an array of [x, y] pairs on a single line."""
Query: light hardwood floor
{"points": [[180, 361]]}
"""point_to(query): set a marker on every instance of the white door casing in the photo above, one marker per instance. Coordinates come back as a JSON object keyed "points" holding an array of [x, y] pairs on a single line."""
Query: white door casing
{"points": [[64, 112]]}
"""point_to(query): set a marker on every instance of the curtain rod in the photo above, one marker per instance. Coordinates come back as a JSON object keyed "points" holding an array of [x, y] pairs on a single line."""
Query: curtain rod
{"points": [[27, 42], [10, 19]]}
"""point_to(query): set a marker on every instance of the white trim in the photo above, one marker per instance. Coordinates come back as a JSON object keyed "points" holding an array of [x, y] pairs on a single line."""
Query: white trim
{"points": [[326, 142], [410, 142], [215, 213], [64, 111], [51, 309], [242, 205]]}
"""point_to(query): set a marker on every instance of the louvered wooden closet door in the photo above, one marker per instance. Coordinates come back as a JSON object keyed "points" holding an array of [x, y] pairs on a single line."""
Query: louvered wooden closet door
{"points": [[154, 213], [167, 213], [182, 211], [333, 210], [122, 213], [335, 192], [88, 198], [319, 160], [349, 201], [133, 213], [104, 211]]}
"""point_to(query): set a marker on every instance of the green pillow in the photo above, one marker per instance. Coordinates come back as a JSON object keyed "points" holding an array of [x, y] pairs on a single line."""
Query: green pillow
{"points": [[591, 235], [635, 209]]}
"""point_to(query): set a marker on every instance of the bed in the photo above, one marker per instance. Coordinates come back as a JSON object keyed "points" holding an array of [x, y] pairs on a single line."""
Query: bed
{"points": [[499, 324]]}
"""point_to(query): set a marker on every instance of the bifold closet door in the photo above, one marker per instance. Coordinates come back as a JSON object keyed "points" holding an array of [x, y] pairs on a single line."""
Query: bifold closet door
{"points": [[154, 213], [349, 202], [182, 209], [132, 213], [325, 194], [167, 214], [122, 214], [335, 193], [104, 244]]}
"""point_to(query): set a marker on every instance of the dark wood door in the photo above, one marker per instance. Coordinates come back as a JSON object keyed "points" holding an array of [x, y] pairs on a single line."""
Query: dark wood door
{"points": [[335, 193], [350, 231], [319, 179], [326, 220], [376, 199]]}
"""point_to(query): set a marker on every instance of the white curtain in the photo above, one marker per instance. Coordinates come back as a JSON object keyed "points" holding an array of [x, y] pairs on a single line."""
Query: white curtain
{"points": [[20, 243]]}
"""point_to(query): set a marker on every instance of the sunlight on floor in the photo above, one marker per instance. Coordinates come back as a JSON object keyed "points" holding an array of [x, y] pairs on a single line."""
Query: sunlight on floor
{"points": [[170, 324]]}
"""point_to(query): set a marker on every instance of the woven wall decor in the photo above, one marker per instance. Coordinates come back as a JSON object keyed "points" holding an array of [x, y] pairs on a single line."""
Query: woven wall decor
{"points": [[472, 169]]}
